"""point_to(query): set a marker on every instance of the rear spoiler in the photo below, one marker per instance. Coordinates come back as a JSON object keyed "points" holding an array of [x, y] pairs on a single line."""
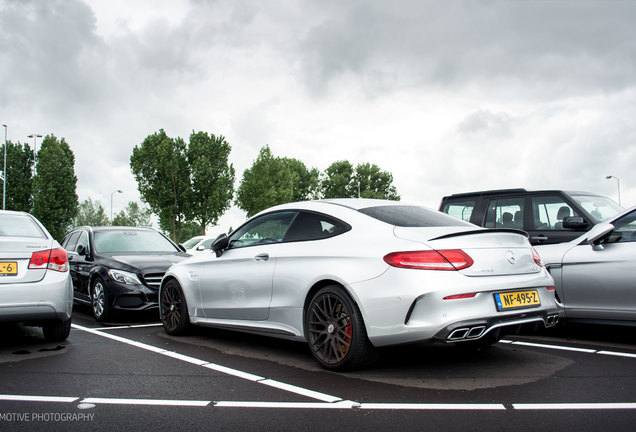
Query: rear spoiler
{"points": [[483, 231]]}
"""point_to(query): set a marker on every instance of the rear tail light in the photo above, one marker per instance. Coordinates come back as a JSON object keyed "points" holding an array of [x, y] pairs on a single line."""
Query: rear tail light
{"points": [[460, 296], [448, 259], [52, 259], [550, 288], [537, 258]]}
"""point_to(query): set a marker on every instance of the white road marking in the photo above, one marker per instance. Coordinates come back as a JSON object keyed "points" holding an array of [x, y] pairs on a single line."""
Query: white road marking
{"points": [[567, 348], [112, 401], [219, 368], [436, 406], [342, 404], [575, 406], [130, 326], [37, 398]]}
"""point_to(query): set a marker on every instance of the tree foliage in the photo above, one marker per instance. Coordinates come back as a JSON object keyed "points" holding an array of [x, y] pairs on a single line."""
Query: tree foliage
{"points": [[212, 177], [91, 213], [133, 215], [337, 181], [341, 180], [274, 180], [55, 201], [183, 183], [19, 193]]}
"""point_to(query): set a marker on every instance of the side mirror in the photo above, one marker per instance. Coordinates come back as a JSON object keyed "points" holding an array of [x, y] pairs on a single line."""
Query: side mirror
{"points": [[182, 247], [81, 250], [200, 248], [220, 244], [599, 233], [574, 222]]}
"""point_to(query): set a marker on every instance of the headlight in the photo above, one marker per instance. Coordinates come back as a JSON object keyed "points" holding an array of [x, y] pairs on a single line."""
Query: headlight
{"points": [[124, 277]]}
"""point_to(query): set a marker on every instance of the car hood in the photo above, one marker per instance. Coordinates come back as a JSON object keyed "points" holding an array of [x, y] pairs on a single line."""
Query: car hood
{"points": [[149, 263]]}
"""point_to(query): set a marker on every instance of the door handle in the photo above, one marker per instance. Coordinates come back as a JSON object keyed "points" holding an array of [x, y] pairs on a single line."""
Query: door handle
{"points": [[540, 238], [262, 257]]}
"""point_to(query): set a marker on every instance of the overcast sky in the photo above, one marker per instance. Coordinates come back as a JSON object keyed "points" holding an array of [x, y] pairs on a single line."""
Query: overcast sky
{"points": [[449, 96]]}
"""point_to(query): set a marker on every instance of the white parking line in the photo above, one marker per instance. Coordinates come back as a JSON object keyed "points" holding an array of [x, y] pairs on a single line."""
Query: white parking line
{"points": [[421, 406], [130, 326], [219, 368], [37, 398], [567, 348], [342, 404], [575, 406], [112, 401]]}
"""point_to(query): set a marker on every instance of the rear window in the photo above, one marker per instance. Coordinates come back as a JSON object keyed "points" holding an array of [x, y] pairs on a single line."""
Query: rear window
{"points": [[412, 216], [19, 225]]}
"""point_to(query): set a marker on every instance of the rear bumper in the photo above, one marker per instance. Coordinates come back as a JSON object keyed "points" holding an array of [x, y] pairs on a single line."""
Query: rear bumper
{"points": [[404, 306], [48, 299]]}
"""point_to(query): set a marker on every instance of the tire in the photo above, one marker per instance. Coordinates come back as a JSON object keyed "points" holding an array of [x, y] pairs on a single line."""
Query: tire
{"points": [[335, 331], [173, 309], [99, 300], [56, 330]]}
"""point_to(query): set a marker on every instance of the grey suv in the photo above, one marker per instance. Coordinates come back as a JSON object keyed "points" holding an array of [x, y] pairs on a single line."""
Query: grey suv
{"points": [[548, 216]]}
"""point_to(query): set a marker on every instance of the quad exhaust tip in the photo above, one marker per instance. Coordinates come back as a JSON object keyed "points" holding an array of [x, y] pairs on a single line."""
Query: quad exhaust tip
{"points": [[551, 320], [467, 333]]}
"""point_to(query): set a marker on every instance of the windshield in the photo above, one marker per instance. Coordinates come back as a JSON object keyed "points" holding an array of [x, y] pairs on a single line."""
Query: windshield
{"points": [[600, 207], [412, 216], [132, 241], [19, 225], [192, 242]]}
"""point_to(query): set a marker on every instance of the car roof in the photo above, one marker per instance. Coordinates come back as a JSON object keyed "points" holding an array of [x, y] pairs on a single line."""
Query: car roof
{"points": [[515, 192], [351, 203], [115, 228]]}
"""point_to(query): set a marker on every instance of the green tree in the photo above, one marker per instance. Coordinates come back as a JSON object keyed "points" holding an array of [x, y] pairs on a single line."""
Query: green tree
{"points": [[91, 213], [212, 177], [374, 183], [341, 180], [19, 194], [55, 199], [133, 215], [337, 181], [162, 173], [273, 180]]}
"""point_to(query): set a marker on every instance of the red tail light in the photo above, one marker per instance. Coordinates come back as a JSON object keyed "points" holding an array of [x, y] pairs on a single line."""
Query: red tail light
{"points": [[52, 259], [449, 259], [537, 258], [460, 296]]}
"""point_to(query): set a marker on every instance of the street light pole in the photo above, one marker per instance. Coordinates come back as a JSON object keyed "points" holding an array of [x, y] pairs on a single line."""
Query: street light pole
{"points": [[111, 202], [35, 143], [618, 185], [4, 171]]}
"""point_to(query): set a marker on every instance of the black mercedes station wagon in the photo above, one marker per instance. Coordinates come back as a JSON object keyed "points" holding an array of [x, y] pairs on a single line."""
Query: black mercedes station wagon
{"points": [[119, 268]]}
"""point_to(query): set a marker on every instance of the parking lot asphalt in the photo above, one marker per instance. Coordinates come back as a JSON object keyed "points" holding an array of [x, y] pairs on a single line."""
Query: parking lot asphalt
{"points": [[131, 374]]}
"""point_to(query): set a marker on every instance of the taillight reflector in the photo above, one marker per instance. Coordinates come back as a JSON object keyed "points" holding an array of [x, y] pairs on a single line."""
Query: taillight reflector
{"points": [[447, 259], [550, 288], [52, 259], [460, 296], [537, 258]]}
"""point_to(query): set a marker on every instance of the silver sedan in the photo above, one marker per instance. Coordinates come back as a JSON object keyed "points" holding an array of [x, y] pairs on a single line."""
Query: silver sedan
{"points": [[595, 274], [35, 284], [350, 275]]}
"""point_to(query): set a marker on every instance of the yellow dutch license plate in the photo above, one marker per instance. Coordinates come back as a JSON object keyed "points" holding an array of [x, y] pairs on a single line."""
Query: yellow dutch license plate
{"points": [[517, 300], [8, 268]]}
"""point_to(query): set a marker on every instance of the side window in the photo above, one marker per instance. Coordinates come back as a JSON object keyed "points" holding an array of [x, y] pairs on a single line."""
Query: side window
{"points": [[624, 229], [549, 212], [460, 209], [314, 226], [82, 241], [505, 213], [71, 240], [207, 243], [269, 228]]}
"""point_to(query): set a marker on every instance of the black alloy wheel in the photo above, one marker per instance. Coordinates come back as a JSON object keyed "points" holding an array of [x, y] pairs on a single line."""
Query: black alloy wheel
{"points": [[173, 309], [335, 331], [99, 300]]}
